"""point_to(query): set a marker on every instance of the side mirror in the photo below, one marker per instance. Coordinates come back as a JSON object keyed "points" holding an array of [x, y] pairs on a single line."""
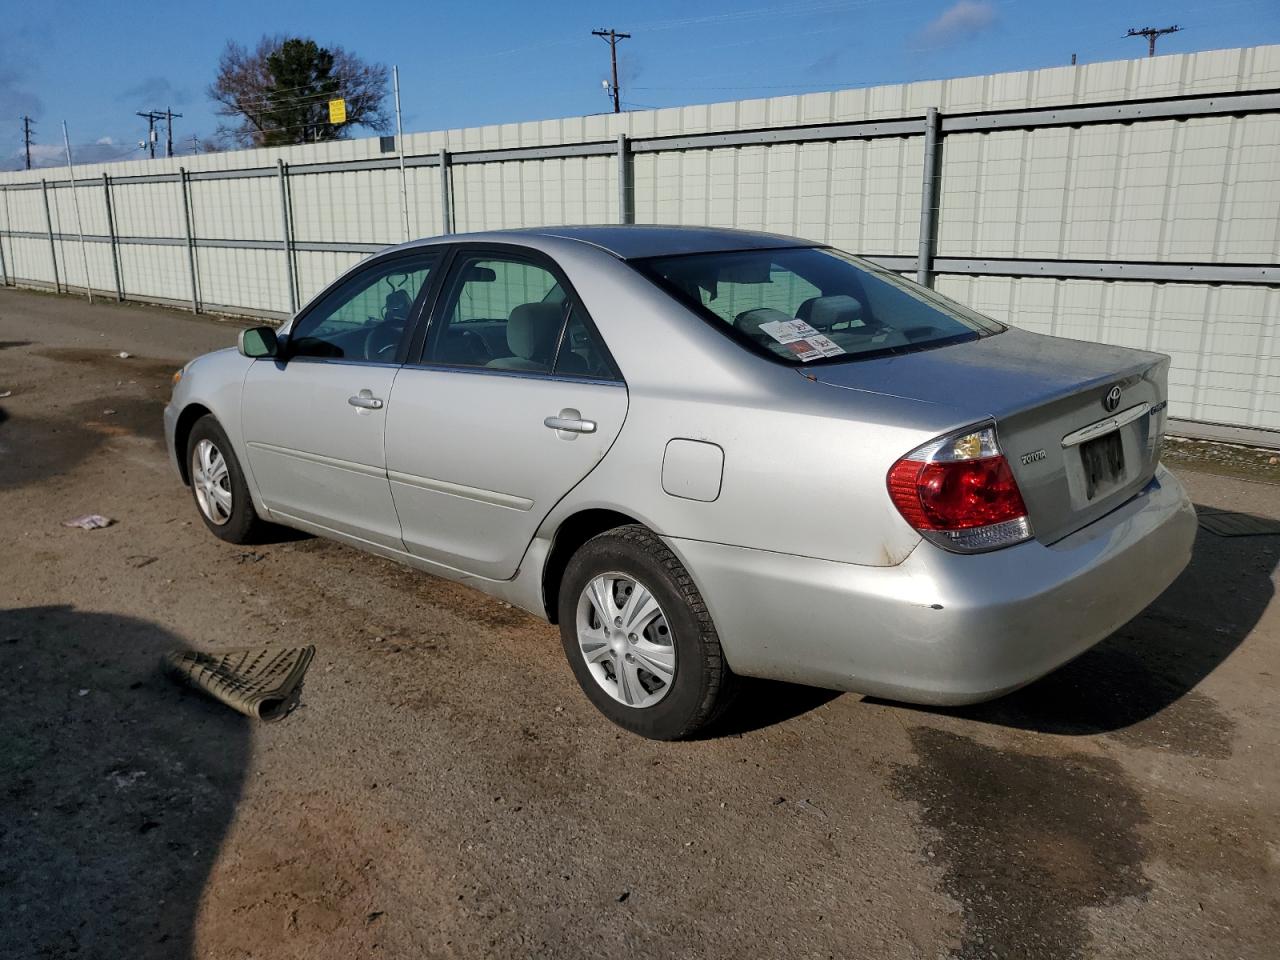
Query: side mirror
{"points": [[258, 342]]}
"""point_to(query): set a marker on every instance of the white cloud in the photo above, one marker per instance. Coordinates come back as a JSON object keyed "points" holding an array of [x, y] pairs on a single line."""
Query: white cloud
{"points": [[960, 21], [102, 150]]}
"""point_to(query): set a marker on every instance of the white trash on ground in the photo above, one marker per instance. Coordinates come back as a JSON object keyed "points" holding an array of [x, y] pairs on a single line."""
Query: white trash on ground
{"points": [[90, 521]]}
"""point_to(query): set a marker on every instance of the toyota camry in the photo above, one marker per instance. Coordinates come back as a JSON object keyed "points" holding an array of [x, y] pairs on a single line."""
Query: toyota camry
{"points": [[705, 454]]}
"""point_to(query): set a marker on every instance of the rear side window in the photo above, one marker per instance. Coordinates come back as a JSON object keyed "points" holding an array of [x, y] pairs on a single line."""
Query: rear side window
{"points": [[806, 305], [582, 352], [506, 313]]}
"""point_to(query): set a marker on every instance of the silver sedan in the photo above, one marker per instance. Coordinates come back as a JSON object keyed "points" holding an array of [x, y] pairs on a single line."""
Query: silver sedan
{"points": [[705, 454]]}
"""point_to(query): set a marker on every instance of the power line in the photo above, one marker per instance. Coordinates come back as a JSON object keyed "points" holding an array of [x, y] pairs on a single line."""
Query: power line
{"points": [[1151, 33], [270, 100], [612, 36], [26, 137]]}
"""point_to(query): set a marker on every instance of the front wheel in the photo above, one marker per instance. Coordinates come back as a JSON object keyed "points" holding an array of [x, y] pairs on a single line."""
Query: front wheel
{"points": [[218, 484], [638, 636]]}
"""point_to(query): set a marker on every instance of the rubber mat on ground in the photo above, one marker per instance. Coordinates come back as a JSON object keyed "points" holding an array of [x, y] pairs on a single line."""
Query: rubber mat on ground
{"points": [[261, 683], [1228, 523]]}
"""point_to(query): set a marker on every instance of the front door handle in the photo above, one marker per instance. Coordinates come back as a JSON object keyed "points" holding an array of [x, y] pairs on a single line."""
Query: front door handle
{"points": [[570, 421], [365, 400]]}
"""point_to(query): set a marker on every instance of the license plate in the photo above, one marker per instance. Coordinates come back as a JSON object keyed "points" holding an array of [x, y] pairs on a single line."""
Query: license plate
{"points": [[1103, 461]]}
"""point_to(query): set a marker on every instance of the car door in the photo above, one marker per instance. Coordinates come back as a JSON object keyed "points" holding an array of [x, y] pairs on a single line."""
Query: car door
{"points": [[515, 400], [313, 420]]}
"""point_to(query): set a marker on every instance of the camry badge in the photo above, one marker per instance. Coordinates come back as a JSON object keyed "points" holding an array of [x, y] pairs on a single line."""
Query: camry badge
{"points": [[1112, 399]]}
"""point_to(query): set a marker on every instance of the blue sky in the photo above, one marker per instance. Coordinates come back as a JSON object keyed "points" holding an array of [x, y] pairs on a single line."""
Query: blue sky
{"points": [[94, 64]]}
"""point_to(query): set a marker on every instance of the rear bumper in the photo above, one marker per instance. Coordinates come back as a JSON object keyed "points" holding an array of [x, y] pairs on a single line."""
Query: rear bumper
{"points": [[944, 628]]}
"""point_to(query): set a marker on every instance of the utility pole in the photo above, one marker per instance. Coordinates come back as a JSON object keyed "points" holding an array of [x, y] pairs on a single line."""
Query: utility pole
{"points": [[151, 116], [195, 143], [612, 36], [1151, 33], [26, 137], [169, 115]]}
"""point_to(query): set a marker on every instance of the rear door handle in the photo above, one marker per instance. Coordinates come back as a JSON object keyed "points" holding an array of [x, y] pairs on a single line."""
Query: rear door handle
{"points": [[365, 400], [570, 421]]}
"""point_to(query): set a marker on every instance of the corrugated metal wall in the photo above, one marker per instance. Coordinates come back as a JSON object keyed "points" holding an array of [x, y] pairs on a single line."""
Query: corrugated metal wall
{"points": [[1204, 190]]}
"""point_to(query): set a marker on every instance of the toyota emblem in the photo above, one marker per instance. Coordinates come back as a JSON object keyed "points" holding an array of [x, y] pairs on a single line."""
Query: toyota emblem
{"points": [[1112, 399]]}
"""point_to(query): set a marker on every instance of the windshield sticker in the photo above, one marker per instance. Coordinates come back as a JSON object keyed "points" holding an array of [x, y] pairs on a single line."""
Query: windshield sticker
{"points": [[802, 340]]}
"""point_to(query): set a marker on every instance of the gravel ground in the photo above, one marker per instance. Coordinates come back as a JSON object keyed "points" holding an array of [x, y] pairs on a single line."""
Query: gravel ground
{"points": [[445, 790]]}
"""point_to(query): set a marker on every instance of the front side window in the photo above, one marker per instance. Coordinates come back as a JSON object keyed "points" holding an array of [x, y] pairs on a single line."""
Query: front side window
{"points": [[808, 305], [366, 317], [505, 313]]}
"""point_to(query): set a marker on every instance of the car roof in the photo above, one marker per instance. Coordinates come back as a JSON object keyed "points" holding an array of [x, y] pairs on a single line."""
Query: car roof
{"points": [[634, 241]]}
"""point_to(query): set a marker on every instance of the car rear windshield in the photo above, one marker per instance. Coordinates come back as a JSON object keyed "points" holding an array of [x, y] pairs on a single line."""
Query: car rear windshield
{"points": [[807, 305]]}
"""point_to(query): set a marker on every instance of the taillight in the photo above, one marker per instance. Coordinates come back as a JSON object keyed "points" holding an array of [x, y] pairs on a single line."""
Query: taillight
{"points": [[959, 492]]}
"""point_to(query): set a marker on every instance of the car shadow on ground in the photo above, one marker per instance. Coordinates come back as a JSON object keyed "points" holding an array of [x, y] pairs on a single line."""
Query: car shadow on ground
{"points": [[1156, 660], [765, 703], [117, 787]]}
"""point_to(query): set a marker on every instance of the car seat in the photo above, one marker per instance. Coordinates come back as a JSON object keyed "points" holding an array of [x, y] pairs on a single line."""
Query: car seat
{"points": [[532, 332]]}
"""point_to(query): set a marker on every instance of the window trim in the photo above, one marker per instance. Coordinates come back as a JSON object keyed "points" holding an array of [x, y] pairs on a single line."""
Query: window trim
{"points": [[434, 317], [440, 260]]}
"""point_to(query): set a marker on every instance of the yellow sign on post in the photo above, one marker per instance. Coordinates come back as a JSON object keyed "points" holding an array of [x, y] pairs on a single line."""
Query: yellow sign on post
{"points": [[337, 111]]}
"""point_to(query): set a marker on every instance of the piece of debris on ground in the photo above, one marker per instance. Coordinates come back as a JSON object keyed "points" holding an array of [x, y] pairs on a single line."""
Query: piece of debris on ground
{"points": [[262, 683], [90, 521]]}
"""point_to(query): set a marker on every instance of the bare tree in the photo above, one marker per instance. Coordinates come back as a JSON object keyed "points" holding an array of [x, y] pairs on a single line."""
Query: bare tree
{"points": [[279, 92]]}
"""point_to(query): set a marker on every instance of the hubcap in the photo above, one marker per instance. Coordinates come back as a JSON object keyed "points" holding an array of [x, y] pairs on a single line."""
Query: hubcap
{"points": [[625, 640], [211, 481]]}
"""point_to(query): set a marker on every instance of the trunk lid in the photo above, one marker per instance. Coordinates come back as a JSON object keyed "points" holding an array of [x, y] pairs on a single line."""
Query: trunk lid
{"points": [[1077, 448]]}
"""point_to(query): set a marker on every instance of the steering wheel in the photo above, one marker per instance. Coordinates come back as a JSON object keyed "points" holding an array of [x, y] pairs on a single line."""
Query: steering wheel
{"points": [[381, 340], [475, 344]]}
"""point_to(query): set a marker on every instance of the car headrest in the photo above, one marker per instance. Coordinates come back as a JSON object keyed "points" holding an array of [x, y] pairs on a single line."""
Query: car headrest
{"points": [[532, 329], [397, 305], [826, 312]]}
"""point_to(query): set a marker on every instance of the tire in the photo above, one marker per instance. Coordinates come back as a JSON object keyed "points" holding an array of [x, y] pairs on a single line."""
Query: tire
{"points": [[701, 685], [241, 523]]}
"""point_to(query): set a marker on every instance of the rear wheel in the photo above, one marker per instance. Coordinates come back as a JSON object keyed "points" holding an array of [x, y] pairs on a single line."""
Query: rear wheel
{"points": [[639, 638], [217, 482]]}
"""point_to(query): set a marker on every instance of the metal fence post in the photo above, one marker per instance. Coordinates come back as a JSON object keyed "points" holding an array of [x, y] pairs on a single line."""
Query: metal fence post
{"points": [[286, 233], [4, 264], [48, 222], [626, 191], [111, 234], [191, 239], [446, 194], [929, 199]]}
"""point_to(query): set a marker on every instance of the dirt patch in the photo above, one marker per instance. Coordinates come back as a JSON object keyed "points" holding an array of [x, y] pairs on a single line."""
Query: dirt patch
{"points": [[1224, 459], [457, 598], [120, 416], [133, 368], [33, 451], [1028, 842]]}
